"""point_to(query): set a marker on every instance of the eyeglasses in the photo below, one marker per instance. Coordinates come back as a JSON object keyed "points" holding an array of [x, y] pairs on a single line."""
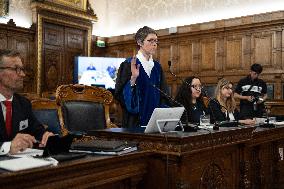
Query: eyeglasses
{"points": [[153, 41], [197, 87], [228, 88], [17, 69]]}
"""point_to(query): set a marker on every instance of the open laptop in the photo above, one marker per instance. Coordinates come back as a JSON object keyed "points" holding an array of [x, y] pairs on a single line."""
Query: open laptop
{"points": [[164, 120]]}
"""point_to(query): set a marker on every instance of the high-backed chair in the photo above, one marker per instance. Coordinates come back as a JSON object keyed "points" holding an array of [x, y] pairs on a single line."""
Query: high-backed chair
{"points": [[48, 94], [46, 111], [84, 108]]}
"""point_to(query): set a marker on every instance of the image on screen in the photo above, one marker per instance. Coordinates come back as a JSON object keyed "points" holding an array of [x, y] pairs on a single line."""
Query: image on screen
{"points": [[97, 71]]}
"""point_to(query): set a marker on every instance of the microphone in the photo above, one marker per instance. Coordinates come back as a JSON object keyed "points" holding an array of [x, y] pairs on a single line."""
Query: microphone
{"points": [[187, 128], [216, 126], [266, 124]]}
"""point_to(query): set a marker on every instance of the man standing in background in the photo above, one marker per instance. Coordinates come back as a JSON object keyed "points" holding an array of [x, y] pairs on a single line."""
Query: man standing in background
{"points": [[252, 93]]}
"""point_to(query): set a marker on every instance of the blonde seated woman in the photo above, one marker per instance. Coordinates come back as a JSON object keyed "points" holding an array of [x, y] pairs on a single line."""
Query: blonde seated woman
{"points": [[223, 106]]}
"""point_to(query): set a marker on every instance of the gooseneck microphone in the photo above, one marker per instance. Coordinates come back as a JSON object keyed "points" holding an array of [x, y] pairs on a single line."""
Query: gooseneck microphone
{"points": [[216, 126], [173, 74], [187, 128], [266, 124]]}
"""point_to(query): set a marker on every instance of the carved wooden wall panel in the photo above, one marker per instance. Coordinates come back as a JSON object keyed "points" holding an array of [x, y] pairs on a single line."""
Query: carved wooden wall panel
{"points": [[3, 41], [185, 56], [22, 40], [208, 48], [262, 49], [164, 55], [76, 39], [61, 45], [234, 54], [224, 48], [52, 68]]}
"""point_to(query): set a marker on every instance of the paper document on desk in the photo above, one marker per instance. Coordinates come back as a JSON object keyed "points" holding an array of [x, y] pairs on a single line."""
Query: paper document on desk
{"points": [[29, 152], [22, 163]]}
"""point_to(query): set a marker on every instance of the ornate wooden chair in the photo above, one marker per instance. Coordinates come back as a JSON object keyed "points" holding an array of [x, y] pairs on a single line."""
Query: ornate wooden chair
{"points": [[83, 108], [46, 111], [48, 94]]}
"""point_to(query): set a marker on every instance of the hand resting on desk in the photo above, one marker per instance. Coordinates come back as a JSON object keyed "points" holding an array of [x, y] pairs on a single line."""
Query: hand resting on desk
{"points": [[23, 141]]}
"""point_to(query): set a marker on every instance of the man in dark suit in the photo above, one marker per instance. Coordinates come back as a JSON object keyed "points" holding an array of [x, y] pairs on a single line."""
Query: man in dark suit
{"points": [[19, 129]]}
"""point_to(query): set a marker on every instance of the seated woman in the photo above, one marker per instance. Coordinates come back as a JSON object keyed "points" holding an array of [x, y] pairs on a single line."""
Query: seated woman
{"points": [[223, 107], [189, 95]]}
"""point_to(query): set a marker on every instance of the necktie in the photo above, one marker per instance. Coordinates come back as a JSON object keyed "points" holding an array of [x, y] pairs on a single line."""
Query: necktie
{"points": [[8, 105]]}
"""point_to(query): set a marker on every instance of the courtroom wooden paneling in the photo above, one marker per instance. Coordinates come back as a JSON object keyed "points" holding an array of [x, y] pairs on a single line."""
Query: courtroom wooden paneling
{"points": [[243, 157], [62, 34], [61, 45], [224, 48], [22, 40], [206, 159], [263, 156], [102, 172]]}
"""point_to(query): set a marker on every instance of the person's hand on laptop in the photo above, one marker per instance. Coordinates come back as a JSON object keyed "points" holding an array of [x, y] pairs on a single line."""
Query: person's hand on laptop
{"points": [[45, 138], [21, 142]]}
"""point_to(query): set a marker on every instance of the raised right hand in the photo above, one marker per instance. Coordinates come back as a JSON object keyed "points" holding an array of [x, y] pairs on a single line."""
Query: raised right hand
{"points": [[134, 70]]}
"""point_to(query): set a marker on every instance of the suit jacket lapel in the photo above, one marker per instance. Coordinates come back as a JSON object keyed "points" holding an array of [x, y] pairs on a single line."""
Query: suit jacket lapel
{"points": [[15, 119], [3, 134]]}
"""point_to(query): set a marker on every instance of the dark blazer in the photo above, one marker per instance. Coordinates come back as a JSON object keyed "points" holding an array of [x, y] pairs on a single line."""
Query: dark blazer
{"points": [[216, 114], [23, 120]]}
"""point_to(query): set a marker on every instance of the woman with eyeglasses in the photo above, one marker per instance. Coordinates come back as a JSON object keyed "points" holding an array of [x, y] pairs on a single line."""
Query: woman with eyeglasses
{"points": [[139, 80], [223, 106], [190, 96]]}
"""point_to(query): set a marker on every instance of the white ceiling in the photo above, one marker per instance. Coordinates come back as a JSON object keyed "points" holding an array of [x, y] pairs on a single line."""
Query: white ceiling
{"points": [[118, 17]]}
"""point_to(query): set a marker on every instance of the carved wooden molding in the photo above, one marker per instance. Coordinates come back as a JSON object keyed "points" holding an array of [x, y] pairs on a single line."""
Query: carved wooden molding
{"points": [[213, 177], [40, 20], [63, 10]]}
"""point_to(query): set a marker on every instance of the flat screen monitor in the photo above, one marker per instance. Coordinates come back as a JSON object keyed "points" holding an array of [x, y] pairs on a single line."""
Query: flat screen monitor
{"points": [[164, 120], [96, 71]]}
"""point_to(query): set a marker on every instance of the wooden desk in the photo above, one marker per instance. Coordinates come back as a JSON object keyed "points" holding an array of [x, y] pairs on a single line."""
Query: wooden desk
{"points": [[190, 160], [228, 158], [242, 157], [104, 172]]}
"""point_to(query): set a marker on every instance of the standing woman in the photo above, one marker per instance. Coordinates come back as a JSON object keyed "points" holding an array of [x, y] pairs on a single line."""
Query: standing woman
{"points": [[223, 107], [138, 79], [189, 95]]}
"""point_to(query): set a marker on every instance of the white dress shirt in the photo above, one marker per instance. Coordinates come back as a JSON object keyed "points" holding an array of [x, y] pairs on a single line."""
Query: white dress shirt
{"points": [[147, 65]]}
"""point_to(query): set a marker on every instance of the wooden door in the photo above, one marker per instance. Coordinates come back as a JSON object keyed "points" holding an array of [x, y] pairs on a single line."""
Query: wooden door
{"points": [[60, 46]]}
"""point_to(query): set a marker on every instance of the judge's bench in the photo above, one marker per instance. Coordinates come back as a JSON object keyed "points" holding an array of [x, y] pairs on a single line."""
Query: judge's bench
{"points": [[233, 157]]}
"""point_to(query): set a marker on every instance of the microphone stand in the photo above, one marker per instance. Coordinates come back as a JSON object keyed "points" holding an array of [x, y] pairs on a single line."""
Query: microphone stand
{"points": [[187, 128], [216, 125], [266, 124]]}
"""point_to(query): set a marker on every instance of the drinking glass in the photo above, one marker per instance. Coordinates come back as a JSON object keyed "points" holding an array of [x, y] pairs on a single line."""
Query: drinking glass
{"points": [[204, 120]]}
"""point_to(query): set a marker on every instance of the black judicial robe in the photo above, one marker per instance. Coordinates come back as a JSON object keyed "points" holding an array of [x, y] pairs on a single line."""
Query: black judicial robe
{"points": [[145, 89]]}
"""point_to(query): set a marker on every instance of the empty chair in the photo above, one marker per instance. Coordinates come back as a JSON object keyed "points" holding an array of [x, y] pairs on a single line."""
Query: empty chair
{"points": [[84, 108], [46, 111]]}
